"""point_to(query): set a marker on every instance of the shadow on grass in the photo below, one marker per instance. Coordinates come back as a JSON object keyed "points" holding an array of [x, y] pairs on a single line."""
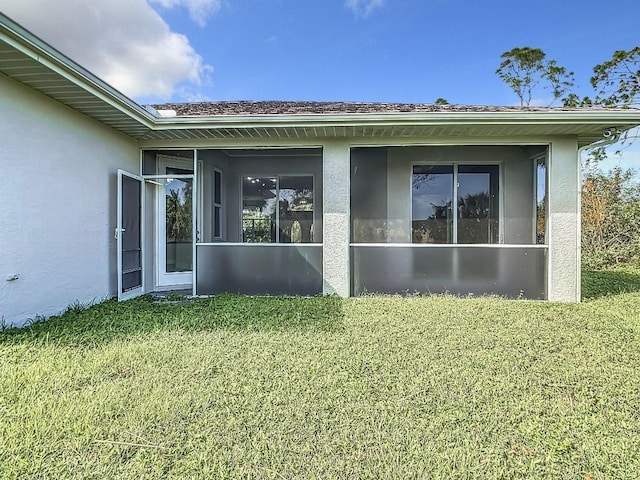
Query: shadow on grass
{"points": [[111, 320], [603, 283]]}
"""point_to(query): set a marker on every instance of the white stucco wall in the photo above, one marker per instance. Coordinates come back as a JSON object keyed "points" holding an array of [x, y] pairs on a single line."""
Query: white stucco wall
{"points": [[564, 221], [58, 197], [336, 174]]}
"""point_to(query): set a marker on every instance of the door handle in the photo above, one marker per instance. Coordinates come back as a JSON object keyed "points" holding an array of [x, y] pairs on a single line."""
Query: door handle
{"points": [[117, 231]]}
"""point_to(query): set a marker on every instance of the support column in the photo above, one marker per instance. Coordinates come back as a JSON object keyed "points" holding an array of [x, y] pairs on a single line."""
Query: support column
{"points": [[563, 280], [336, 176]]}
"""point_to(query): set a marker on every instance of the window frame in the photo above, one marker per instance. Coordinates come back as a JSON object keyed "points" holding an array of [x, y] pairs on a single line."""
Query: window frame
{"points": [[455, 165]]}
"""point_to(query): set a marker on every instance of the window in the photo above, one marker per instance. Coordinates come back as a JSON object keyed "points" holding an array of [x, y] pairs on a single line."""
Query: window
{"points": [[473, 219], [217, 204], [277, 209], [541, 201]]}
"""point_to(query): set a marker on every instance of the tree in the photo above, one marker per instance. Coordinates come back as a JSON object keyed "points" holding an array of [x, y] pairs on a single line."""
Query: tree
{"points": [[617, 81], [525, 68], [441, 101], [610, 201], [610, 218]]}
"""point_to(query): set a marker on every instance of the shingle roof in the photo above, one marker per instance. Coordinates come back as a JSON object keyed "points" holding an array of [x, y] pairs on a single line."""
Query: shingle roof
{"points": [[246, 107]]}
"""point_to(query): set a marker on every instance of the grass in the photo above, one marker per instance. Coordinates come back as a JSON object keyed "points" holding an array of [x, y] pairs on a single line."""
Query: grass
{"points": [[235, 387]]}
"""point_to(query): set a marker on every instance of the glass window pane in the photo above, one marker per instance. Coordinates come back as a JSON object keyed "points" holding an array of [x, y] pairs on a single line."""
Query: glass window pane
{"points": [[541, 201], [477, 204], [259, 209], [217, 222], [296, 209], [179, 225], [217, 187], [431, 198]]}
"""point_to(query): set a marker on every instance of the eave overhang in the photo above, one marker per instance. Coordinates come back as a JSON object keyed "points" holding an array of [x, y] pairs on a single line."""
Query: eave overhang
{"points": [[27, 59], [587, 125]]}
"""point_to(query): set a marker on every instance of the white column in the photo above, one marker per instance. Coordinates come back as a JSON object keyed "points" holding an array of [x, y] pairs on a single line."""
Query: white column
{"points": [[563, 281], [336, 174]]}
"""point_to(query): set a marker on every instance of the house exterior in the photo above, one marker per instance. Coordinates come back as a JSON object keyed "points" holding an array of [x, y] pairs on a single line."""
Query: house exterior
{"points": [[103, 197]]}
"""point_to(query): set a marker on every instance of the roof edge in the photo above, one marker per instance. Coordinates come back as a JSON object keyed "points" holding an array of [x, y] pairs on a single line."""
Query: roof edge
{"points": [[610, 118], [36, 48]]}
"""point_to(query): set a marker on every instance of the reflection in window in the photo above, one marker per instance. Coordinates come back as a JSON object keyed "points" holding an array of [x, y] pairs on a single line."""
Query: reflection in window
{"points": [[259, 196], [217, 204], [477, 204], [541, 201], [432, 192], [179, 230], [476, 216], [277, 209]]}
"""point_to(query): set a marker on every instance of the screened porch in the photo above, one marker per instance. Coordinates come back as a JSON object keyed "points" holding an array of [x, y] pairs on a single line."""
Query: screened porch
{"points": [[243, 221], [456, 219]]}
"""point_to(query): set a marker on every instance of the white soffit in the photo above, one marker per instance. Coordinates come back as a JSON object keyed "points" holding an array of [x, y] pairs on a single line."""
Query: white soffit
{"points": [[30, 61]]}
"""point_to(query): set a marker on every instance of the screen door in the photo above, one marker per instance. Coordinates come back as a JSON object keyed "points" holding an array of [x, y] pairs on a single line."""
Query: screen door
{"points": [[129, 235]]}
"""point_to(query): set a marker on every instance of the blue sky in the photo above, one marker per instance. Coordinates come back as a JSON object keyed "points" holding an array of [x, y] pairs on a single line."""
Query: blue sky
{"points": [[333, 50], [400, 51]]}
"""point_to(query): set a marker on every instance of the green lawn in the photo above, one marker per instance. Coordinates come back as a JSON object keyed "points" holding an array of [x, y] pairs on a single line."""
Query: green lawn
{"points": [[237, 387]]}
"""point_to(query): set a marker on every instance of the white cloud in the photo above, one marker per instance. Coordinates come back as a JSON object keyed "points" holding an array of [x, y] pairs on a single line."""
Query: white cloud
{"points": [[124, 42], [363, 8], [199, 10]]}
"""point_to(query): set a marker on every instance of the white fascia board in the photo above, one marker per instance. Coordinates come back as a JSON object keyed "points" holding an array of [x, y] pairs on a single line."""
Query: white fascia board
{"points": [[606, 118], [31, 46]]}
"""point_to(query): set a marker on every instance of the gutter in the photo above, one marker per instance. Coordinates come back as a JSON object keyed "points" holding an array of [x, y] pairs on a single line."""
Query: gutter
{"points": [[627, 118]]}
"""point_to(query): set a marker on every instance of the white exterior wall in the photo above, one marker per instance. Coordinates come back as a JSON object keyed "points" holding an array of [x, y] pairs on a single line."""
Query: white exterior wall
{"points": [[564, 221], [58, 197]]}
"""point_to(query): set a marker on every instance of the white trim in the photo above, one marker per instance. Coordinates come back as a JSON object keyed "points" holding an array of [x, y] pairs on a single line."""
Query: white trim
{"points": [[150, 178], [491, 118], [255, 244], [175, 279], [448, 245]]}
